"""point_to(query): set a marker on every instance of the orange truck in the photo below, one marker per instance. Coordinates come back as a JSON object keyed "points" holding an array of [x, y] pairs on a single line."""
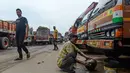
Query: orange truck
{"points": [[106, 27], [7, 32]]}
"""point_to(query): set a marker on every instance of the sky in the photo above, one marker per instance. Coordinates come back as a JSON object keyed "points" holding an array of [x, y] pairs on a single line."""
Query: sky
{"points": [[48, 13]]}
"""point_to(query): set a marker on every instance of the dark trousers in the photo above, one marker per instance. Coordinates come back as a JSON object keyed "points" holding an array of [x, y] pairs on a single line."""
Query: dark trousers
{"points": [[55, 44], [68, 62], [20, 43]]}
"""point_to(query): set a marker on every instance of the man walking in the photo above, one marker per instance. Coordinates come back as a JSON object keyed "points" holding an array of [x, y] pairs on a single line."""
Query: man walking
{"points": [[55, 35], [21, 28]]}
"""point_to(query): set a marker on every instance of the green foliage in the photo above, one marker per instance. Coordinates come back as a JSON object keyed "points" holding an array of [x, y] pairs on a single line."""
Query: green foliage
{"points": [[42, 28]]}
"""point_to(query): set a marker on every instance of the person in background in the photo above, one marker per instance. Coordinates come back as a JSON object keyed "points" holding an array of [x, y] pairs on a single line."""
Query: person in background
{"points": [[21, 28], [55, 36], [67, 55]]}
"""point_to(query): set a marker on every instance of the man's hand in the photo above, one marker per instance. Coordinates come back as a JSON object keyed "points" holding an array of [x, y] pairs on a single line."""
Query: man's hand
{"points": [[85, 56]]}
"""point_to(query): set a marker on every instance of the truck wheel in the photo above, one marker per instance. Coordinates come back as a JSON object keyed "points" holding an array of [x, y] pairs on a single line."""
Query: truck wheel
{"points": [[61, 41], [4, 42]]}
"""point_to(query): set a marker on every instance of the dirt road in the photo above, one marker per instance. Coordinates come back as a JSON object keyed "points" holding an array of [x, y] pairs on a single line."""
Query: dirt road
{"points": [[43, 60]]}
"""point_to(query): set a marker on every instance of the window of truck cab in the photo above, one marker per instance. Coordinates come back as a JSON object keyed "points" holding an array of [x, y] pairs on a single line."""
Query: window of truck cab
{"points": [[85, 19], [102, 6], [127, 2]]}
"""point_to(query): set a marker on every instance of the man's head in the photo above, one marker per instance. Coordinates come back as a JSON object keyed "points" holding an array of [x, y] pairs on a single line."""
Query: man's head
{"points": [[73, 38], [19, 12], [54, 27]]}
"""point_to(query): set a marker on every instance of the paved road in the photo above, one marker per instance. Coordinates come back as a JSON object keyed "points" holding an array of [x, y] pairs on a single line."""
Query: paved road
{"points": [[7, 56], [39, 54]]}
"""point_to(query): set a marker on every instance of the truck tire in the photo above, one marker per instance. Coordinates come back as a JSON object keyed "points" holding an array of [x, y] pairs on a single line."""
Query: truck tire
{"points": [[4, 42], [61, 41]]}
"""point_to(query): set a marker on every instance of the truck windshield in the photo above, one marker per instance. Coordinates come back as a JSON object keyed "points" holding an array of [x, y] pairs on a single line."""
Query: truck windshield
{"points": [[102, 6], [85, 19], [127, 2]]}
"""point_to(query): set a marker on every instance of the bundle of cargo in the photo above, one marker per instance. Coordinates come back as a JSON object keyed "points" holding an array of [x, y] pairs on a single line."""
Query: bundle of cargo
{"points": [[1, 23], [10, 30], [5, 26], [13, 28]]}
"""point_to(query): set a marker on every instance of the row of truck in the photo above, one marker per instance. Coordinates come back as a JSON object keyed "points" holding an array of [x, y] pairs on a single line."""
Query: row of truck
{"points": [[42, 35], [105, 26]]}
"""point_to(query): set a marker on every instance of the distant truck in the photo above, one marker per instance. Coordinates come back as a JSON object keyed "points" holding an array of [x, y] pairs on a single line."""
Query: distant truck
{"points": [[66, 36], [59, 39], [106, 27], [8, 33], [42, 35], [29, 39]]}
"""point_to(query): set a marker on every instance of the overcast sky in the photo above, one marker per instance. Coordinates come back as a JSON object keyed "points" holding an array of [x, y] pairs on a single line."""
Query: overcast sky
{"points": [[61, 13]]}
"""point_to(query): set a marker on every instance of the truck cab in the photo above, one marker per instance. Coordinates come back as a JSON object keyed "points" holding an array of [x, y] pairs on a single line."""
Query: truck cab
{"points": [[107, 27]]}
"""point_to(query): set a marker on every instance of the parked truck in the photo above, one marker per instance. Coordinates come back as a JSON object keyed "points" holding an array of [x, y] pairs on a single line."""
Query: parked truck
{"points": [[42, 35], [106, 27], [29, 37], [60, 38], [7, 32]]}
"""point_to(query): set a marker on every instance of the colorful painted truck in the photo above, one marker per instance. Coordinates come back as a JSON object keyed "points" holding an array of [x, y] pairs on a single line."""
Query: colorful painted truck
{"points": [[106, 27]]}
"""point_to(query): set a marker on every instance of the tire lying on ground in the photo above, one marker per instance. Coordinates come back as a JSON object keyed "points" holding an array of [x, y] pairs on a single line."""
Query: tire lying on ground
{"points": [[91, 64], [4, 42]]}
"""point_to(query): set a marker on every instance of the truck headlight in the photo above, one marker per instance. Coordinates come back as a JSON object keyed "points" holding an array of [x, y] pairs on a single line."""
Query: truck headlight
{"points": [[107, 33], [113, 33]]}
